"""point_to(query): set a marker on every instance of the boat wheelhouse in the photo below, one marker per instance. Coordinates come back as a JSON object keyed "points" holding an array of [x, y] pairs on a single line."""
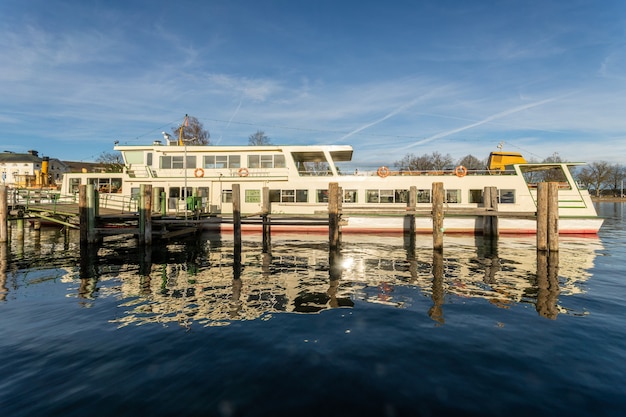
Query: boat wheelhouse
{"points": [[200, 178]]}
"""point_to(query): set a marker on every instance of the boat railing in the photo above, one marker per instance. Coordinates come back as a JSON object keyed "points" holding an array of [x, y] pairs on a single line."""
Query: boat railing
{"points": [[384, 172]]}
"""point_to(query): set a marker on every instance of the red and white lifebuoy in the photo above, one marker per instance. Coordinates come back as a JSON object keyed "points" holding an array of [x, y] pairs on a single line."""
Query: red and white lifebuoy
{"points": [[460, 171], [243, 172], [383, 172], [198, 173]]}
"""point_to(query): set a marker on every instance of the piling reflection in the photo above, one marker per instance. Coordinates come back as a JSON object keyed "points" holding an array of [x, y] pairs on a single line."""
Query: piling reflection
{"points": [[205, 282]]}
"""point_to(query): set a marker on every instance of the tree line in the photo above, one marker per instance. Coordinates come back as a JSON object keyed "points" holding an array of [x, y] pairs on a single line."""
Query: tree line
{"points": [[600, 177]]}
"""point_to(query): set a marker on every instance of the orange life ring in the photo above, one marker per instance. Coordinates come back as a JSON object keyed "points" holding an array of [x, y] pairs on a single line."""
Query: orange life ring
{"points": [[460, 171], [243, 172], [383, 172], [198, 173]]}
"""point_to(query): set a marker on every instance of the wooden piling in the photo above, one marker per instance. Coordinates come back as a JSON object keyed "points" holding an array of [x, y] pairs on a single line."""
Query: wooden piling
{"points": [[82, 213], [490, 203], [553, 216], [237, 217], [156, 199], [438, 195], [542, 216], [265, 213], [91, 214], [4, 215], [333, 215], [147, 208]]}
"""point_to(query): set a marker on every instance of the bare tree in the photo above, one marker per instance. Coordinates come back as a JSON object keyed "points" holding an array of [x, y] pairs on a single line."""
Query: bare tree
{"points": [[472, 163], [441, 162], [615, 178], [193, 132], [258, 139], [111, 161], [434, 161], [595, 175]]}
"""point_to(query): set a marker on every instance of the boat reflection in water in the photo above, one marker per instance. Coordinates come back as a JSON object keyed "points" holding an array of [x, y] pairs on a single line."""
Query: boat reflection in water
{"points": [[204, 283]]}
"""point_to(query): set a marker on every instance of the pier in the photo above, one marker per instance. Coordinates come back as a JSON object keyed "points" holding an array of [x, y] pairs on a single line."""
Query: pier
{"points": [[149, 220]]}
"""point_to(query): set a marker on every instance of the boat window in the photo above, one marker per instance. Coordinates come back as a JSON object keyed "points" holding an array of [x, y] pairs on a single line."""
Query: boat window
{"points": [[476, 196], [149, 159], [253, 161], [322, 196], [350, 196], [387, 196], [311, 163], [221, 161], [506, 196], [289, 196], [134, 157], [106, 185], [227, 196], [453, 196], [423, 196], [266, 161], [74, 185]]}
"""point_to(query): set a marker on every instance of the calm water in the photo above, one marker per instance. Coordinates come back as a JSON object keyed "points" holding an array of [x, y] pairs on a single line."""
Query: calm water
{"points": [[382, 328]]}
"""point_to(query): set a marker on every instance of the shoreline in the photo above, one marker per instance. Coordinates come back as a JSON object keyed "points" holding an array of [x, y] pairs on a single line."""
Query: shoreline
{"points": [[608, 200]]}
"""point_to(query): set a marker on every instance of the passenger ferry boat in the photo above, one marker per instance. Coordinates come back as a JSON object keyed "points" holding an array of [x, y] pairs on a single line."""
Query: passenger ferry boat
{"points": [[200, 178]]}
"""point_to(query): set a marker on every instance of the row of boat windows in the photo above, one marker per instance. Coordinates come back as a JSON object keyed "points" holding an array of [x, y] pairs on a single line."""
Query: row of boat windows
{"points": [[371, 196], [221, 161], [114, 185]]}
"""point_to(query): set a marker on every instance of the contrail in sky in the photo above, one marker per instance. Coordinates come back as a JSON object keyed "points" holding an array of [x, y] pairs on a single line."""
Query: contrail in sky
{"points": [[234, 114], [481, 122], [230, 120], [387, 116]]}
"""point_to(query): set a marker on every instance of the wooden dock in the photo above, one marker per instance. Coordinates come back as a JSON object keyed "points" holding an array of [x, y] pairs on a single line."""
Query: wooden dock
{"points": [[96, 222]]}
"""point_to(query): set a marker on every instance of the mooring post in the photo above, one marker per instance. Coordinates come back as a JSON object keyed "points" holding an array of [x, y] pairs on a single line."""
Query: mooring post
{"points": [[4, 214], [237, 217], [142, 214], [553, 216], [147, 208], [438, 216], [156, 199], [82, 214], [411, 204], [91, 214], [333, 215], [265, 212], [490, 203], [542, 216]]}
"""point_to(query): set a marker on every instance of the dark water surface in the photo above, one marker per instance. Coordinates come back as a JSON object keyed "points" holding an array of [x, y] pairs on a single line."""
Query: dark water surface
{"points": [[385, 327]]}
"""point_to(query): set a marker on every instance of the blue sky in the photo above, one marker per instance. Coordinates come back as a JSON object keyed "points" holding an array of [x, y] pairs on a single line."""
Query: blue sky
{"points": [[389, 78]]}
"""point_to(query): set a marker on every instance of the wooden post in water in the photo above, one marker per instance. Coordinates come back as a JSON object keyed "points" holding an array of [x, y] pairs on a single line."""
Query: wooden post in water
{"points": [[82, 214], [490, 202], [438, 216], [4, 214], [142, 214], [553, 216], [333, 215], [147, 208], [91, 214], [156, 199], [542, 216], [265, 213], [237, 217]]}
